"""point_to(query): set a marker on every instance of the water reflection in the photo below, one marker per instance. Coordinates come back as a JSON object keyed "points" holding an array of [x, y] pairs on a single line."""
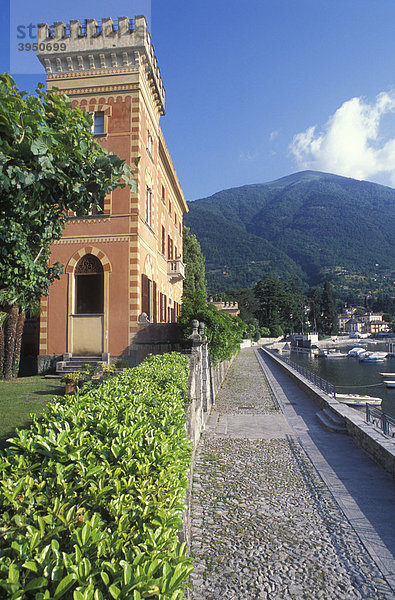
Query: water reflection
{"points": [[350, 375]]}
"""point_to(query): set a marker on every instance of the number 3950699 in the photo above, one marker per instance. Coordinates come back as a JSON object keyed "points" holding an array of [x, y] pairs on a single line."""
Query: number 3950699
{"points": [[42, 47]]}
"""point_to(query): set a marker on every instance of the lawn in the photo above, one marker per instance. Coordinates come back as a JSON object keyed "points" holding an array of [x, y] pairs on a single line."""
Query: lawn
{"points": [[22, 397]]}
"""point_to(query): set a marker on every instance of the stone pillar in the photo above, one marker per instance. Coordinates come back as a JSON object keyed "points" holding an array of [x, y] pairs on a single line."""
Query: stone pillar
{"points": [[206, 403]]}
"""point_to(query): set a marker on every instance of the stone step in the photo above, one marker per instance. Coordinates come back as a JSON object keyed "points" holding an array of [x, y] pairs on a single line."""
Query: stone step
{"points": [[330, 421], [77, 363], [85, 359]]}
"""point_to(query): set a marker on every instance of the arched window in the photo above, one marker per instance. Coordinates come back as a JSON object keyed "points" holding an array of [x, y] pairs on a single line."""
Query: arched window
{"points": [[89, 286]]}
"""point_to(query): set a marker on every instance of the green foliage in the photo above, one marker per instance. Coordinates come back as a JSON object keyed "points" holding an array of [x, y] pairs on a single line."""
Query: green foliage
{"points": [[315, 226], [194, 293], [224, 332], [247, 302], [315, 312], [328, 308], [92, 494], [74, 376], [281, 305], [49, 164], [276, 331]]}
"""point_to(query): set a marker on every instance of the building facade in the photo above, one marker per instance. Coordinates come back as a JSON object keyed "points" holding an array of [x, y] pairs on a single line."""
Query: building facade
{"points": [[123, 266]]}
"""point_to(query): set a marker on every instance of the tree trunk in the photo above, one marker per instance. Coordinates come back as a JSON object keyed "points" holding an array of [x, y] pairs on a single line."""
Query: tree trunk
{"points": [[1, 351], [9, 341], [18, 343]]}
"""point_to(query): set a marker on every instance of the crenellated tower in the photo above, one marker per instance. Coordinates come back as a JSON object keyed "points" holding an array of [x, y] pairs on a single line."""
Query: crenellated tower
{"points": [[132, 250]]}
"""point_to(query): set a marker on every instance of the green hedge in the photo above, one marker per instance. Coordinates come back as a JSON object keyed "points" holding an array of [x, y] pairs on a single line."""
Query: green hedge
{"points": [[224, 332], [92, 494]]}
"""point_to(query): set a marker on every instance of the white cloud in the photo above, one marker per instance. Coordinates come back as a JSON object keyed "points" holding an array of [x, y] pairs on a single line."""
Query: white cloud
{"points": [[247, 156], [273, 135], [351, 143]]}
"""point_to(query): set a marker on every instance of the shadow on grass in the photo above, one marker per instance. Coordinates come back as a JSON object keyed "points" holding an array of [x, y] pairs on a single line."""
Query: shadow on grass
{"points": [[56, 391]]}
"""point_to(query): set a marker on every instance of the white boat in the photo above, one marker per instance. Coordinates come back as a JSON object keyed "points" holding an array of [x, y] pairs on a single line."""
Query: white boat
{"points": [[356, 351], [335, 355], [357, 400], [390, 384], [373, 356], [387, 374]]}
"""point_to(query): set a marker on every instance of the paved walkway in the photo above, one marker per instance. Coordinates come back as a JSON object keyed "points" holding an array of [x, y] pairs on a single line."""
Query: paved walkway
{"points": [[274, 514]]}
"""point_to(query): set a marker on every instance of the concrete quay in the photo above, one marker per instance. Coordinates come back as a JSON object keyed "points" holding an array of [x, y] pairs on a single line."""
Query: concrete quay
{"points": [[282, 508]]}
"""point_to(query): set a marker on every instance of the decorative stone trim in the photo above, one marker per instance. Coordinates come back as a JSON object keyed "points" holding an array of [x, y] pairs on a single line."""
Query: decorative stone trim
{"points": [[88, 250]]}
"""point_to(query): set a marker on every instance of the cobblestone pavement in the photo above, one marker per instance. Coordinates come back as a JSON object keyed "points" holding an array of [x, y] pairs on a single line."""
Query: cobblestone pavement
{"points": [[264, 525]]}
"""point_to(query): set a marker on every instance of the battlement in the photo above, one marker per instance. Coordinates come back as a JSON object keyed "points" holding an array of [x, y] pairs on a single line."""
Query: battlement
{"points": [[94, 47], [230, 307]]}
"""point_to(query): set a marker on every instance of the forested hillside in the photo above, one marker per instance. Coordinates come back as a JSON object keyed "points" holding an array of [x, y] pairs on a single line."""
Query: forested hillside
{"points": [[310, 225]]}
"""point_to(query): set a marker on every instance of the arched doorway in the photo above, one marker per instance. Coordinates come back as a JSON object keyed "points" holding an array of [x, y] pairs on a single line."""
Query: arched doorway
{"points": [[87, 324]]}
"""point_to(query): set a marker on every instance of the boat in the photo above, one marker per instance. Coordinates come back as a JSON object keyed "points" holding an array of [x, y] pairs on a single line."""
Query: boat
{"points": [[357, 400], [373, 356], [387, 374], [335, 355], [356, 351], [390, 384]]}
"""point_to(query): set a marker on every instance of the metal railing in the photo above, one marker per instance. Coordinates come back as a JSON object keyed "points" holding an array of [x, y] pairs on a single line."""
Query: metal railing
{"points": [[323, 384], [381, 420]]}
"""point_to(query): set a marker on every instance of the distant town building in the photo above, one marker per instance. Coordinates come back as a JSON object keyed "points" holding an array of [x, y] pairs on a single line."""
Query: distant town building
{"points": [[353, 326], [370, 323]]}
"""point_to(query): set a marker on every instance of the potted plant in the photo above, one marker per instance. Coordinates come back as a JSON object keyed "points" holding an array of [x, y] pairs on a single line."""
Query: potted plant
{"points": [[71, 381]]}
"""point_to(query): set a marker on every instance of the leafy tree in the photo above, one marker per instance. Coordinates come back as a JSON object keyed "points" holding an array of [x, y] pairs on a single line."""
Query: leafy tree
{"points": [[315, 316], [247, 301], [224, 332], [329, 315], [49, 165], [270, 294], [281, 305], [194, 293], [384, 302]]}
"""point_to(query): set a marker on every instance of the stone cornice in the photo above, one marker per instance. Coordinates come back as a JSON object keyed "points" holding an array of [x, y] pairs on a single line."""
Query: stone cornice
{"points": [[94, 239], [102, 89], [93, 74]]}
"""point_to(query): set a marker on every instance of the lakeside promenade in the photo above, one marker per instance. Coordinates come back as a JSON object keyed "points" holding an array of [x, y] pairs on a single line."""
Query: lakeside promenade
{"points": [[282, 508]]}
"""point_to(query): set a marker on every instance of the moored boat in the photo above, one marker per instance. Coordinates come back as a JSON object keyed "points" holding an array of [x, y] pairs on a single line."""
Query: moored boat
{"points": [[358, 400], [390, 375], [390, 383], [373, 356], [356, 351]]}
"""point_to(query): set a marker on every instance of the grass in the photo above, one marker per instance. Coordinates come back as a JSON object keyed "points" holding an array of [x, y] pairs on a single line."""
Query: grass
{"points": [[22, 397]]}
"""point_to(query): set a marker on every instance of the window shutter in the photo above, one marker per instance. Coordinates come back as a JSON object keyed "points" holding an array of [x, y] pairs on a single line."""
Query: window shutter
{"points": [[145, 294], [154, 307]]}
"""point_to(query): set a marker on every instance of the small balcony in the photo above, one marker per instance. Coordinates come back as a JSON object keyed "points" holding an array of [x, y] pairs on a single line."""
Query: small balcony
{"points": [[175, 270]]}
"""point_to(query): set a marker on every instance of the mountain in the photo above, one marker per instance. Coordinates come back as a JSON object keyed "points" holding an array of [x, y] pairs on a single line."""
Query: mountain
{"points": [[309, 225]]}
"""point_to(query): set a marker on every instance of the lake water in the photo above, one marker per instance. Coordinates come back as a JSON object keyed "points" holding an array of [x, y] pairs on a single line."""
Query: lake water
{"points": [[350, 375]]}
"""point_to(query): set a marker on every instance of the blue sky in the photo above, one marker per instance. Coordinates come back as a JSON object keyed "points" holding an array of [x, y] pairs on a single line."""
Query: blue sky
{"points": [[254, 90]]}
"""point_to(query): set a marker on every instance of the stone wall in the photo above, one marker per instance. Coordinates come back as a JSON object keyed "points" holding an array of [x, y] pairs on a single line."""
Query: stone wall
{"points": [[373, 441], [204, 383]]}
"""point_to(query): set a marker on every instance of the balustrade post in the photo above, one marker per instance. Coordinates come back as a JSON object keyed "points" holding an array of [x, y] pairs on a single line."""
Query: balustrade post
{"points": [[385, 424]]}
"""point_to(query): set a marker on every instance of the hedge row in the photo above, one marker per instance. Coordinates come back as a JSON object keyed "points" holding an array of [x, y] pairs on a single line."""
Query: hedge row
{"points": [[92, 494]]}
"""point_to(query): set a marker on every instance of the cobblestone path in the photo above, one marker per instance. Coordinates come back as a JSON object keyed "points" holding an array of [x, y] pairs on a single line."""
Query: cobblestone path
{"points": [[264, 525]]}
